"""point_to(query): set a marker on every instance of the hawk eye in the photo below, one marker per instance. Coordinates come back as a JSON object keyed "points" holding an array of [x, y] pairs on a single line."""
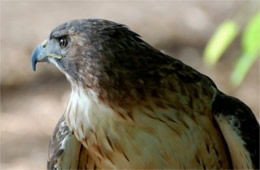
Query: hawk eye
{"points": [[63, 42]]}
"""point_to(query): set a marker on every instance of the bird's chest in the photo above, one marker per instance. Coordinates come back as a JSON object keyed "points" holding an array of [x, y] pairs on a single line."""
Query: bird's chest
{"points": [[155, 144], [146, 141]]}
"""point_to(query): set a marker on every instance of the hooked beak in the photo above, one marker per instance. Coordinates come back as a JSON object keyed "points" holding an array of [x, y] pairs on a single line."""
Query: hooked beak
{"points": [[39, 54], [42, 53]]}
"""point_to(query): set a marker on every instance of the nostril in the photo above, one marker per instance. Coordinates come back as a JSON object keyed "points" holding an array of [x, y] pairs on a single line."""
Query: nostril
{"points": [[44, 43]]}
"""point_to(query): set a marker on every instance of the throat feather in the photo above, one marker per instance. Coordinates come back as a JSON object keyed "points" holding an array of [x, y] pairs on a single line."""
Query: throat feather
{"points": [[85, 112]]}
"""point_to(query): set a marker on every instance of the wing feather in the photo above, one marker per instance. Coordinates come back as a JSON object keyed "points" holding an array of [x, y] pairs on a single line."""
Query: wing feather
{"points": [[240, 130], [65, 151]]}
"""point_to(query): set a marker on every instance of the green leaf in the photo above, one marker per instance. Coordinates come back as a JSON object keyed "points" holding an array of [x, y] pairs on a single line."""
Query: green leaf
{"points": [[219, 42], [251, 37], [251, 49], [241, 68]]}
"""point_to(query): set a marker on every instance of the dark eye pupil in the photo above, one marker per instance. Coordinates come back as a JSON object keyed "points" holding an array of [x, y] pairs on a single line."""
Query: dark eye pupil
{"points": [[63, 42]]}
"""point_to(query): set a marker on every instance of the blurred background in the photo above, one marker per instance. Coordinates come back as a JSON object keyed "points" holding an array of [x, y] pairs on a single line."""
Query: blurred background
{"points": [[32, 102]]}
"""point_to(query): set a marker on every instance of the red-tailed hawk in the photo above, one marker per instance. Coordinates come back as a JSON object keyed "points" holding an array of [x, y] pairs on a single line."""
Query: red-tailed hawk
{"points": [[134, 107]]}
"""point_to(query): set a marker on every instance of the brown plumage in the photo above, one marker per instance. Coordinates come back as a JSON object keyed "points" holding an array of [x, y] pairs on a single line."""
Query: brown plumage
{"points": [[132, 106]]}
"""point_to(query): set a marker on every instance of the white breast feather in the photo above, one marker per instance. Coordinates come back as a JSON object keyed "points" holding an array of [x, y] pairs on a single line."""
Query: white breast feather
{"points": [[88, 109]]}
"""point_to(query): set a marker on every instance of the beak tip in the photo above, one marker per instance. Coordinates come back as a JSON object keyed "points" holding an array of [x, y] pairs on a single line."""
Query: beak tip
{"points": [[34, 57], [34, 62], [34, 67]]}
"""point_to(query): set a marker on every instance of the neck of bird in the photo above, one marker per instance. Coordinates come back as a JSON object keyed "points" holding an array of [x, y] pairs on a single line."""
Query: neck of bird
{"points": [[85, 112]]}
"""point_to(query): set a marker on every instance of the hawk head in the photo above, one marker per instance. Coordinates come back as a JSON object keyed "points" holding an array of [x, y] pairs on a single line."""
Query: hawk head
{"points": [[88, 51], [104, 56]]}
